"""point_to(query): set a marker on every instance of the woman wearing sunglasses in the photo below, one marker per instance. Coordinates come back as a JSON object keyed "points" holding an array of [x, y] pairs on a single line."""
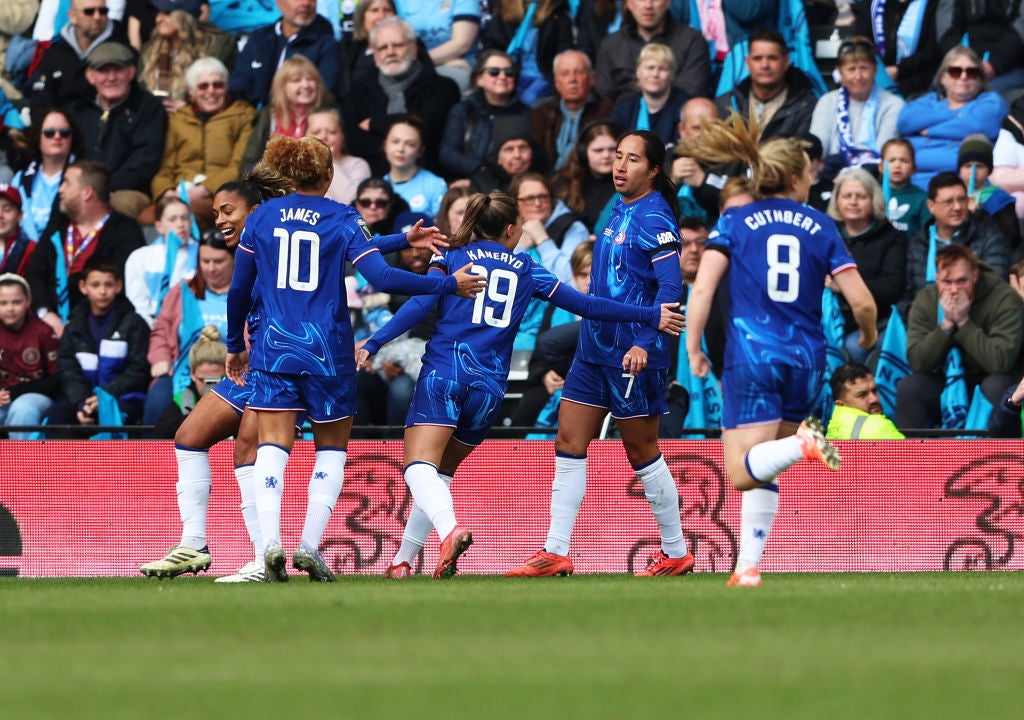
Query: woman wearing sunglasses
{"points": [[378, 205], [53, 142], [959, 105], [467, 134], [205, 138]]}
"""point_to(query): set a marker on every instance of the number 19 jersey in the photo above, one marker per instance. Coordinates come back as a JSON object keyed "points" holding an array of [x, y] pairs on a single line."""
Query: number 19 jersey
{"points": [[780, 253]]}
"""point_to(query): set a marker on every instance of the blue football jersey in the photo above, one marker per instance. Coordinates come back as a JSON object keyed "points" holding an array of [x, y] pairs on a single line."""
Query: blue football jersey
{"points": [[639, 235], [780, 253]]}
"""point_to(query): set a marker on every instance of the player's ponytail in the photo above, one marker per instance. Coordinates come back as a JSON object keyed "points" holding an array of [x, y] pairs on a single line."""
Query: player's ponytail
{"points": [[486, 217]]}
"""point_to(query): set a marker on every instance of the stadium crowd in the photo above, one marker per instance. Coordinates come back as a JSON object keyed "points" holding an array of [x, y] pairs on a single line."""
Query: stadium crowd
{"points": [[121, 119]]}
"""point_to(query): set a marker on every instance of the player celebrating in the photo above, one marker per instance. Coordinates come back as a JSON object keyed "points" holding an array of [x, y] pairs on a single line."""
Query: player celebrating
{"points": [[293, 257], [636, 261], [466, 363], [778, 253]]}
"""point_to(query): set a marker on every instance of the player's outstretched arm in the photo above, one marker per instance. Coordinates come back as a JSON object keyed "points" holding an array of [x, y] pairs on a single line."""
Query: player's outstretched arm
{"points": [[713, 266], [861, 302]]}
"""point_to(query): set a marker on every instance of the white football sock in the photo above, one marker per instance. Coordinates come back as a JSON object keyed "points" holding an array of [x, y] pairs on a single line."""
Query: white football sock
{"points": [[417, 530], [268, 484], [766, 460], [757, 512], [663, 497], [243, 474], [324, 488], [193, 489], [432, 495], [567, 491]]}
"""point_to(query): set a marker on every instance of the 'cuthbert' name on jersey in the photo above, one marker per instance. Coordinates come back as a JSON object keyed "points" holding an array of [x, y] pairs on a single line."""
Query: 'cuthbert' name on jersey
{"points": [[761, 218], [507, 258], [300, 214]]}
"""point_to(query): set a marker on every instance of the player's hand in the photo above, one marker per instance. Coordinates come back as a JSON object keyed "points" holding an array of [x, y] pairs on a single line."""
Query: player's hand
{"points": [[237, 364], [469, 282], [430, 237], [634, 360], [700, 366], [672, 321], [363, 356]]}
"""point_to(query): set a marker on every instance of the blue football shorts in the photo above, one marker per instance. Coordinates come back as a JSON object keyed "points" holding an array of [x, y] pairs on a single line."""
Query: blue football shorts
{"points": [[440, 401], [325, 398], [626, 396], [762, 393]]}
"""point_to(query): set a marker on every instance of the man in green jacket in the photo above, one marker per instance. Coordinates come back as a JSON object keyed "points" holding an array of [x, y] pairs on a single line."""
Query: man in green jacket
{"points": [[857, 414]]}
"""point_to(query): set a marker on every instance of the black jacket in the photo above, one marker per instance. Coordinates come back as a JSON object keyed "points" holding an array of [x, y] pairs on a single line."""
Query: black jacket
{"points": [[793, 119], [881, 255], [59, 79], [554, 35], [466, 144]]}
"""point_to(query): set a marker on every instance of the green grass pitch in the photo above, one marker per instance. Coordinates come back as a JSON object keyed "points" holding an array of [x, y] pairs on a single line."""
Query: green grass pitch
{"points": [[600, 646]]}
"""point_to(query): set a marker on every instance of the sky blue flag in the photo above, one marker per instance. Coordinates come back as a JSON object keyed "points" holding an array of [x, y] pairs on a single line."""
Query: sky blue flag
{"points": [[524, 27], [183, 194], [886, 187], [953, 401], [189, 332], [547, 417], [892, 362], [833, 326], [979, 412], [705, 393], [108, 412], [243, 16]]}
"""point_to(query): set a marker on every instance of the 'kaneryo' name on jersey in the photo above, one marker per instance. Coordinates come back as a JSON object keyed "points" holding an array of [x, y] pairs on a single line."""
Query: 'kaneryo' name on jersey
{"points": [[760, 218], [300, 215], [504, 257]]}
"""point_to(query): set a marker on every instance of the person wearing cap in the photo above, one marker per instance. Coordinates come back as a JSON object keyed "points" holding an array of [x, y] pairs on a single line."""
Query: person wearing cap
{"points": [[16, 247], [28, 363], [512, 154], [59, 79], [974, 163], [124, 126], [299, 31]]}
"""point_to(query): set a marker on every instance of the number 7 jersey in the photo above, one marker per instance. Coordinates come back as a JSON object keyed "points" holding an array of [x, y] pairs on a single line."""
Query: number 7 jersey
{"points": [[780, 253]]}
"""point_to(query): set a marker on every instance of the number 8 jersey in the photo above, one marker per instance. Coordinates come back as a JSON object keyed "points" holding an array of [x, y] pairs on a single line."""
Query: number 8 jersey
{"points": [[780, 253]]}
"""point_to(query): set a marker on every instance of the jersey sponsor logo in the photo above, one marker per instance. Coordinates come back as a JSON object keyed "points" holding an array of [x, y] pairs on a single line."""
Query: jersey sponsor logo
{"points": [[366, 230], [667, 238], [620, 237]]}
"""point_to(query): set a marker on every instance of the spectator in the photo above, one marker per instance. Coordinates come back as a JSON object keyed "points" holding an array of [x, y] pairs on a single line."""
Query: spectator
{"points": [[453, 207], [180, 39], [981, 315], [449, 28], [657, 105], [378, 205], [854, 121], [59, 79], [905, 38], [857, 414], [206, 138], [585, 184], [595, 20], [958, 105], [698, 185], [1005, 420], [87, 228], [512, 154], [325, 124], [645, 21], [952, 224], [403, 146], [549, 226], [124, 127], [401, 83], [53, 140], [858, 207], [296, 91], [16, 17], [1008, 155], [28, 364], [974, 164], [103, 346], [356, 52], [300, 31], [776, 95], [548, 33], [467, 132], [16, 247], [556, 122], [151, 271], [908, 204], [989, 28], [206, 369], [188, 307]]}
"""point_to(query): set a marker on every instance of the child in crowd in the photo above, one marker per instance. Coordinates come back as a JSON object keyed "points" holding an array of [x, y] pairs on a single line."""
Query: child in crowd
{"points": [[906, 204], [151, 271], [103, 348], [28, 358], [403, 147], [16, 247], [974, 163]]}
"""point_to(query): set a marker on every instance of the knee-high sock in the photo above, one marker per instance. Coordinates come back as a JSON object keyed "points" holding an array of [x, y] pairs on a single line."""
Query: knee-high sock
{"points": [[417, 530], [246, 487], [324, 488], [766, 460], [193, 489], [268, 482], [757, 512], [566, 497], [661, 492], [432, 495]]}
